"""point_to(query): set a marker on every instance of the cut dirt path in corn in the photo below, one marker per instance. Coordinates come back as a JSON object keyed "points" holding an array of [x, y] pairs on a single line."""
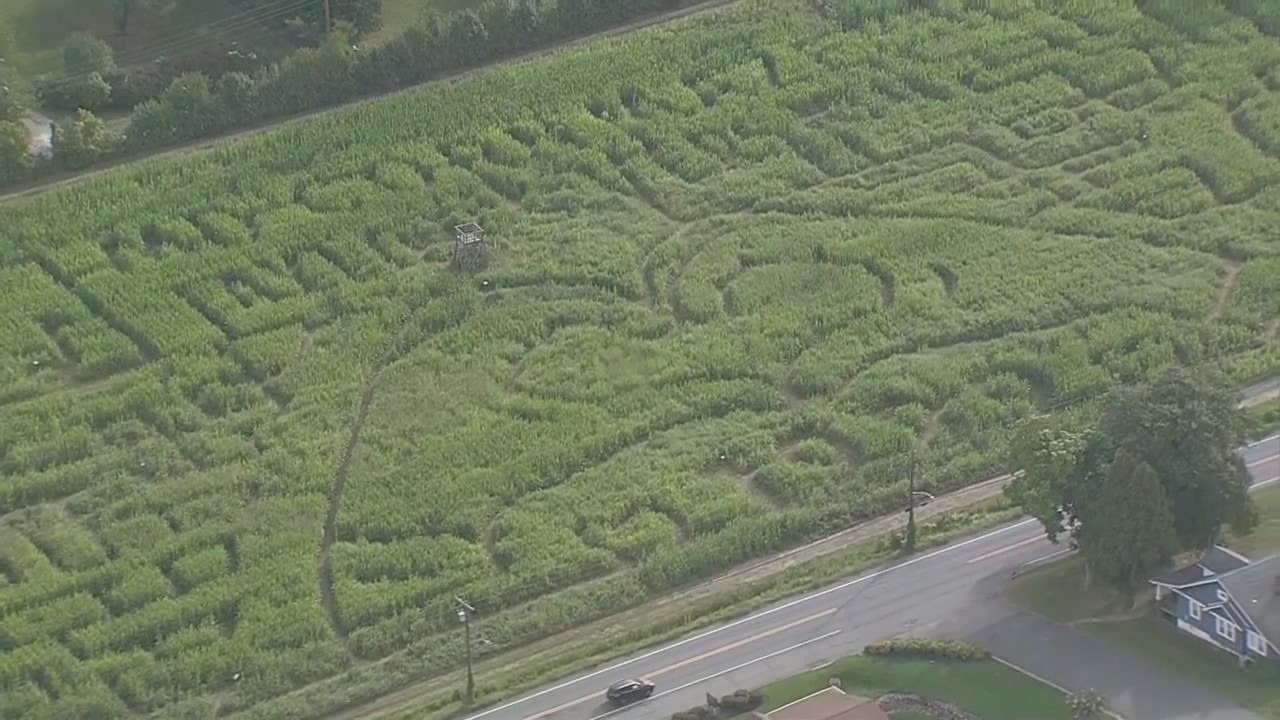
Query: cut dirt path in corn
{"points": [[590, 634], [1230, 281], [687, 12], [327, 594], [410, 697]]}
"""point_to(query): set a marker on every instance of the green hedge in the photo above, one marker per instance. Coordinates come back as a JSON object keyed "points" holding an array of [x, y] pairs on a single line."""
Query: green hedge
{"points": [[930, 648], [727, 706]]}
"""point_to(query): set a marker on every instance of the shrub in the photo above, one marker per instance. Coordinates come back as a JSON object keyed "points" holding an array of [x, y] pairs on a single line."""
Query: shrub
{"points": [[727, 706], [15, 152], [1086, 705], [927, 648], [741, 701]]}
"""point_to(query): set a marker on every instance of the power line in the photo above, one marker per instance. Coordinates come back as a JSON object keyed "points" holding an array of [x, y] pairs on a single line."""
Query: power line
{"points": [[277, 10], [182, 40]]}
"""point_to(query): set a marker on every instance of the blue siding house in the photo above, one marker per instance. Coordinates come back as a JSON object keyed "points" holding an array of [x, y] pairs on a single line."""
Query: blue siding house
{"points": [[1227, 601]]}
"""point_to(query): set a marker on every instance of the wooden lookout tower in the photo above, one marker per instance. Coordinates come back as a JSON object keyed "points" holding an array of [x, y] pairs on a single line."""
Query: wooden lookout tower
{"points": [[469, 249]]}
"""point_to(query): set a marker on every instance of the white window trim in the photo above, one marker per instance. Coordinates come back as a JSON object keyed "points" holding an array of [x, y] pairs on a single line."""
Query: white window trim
{"points": [[1224, 627], [1222, 595], [1257, 643], [1195, 609]]}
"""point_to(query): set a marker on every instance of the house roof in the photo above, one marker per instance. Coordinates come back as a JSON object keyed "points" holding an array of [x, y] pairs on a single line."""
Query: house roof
{"points": [[1221, 560], [830, 704], [1256, 589], [1217, 560]]}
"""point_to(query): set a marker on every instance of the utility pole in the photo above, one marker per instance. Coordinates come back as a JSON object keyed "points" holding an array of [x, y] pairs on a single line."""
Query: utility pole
{"points": [[328, 17], [465, 612], [911, 503]]}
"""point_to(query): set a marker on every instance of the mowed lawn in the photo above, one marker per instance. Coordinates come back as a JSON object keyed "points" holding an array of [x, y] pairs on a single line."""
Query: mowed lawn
{"points": [[986, 688], [1057, 591], [1159, 644], [1265, 538]]}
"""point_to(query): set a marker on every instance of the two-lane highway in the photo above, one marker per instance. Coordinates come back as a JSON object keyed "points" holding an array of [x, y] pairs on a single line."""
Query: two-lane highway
{"points": [[946, 592]]}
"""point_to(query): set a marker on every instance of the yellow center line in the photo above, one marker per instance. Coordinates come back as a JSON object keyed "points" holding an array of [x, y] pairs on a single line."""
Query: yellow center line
{"points": [[698, 658]]}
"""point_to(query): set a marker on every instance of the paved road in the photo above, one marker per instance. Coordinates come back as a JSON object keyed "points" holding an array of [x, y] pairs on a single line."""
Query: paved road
{"points": [[919, 595]]}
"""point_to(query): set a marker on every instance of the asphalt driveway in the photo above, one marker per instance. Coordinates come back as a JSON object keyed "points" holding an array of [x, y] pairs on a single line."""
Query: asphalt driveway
{"points": [[1077, 661]]}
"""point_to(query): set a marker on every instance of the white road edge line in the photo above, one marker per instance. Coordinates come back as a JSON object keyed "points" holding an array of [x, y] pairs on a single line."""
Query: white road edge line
{"points": [[1048, 557], [699, 658], [1267, 459], [713, 676], [752, 618], [1054, 685], [1001, 551], [807, 598]]}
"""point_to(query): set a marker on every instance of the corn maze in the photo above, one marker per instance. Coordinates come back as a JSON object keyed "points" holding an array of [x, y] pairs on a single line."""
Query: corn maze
{"points": [[256, 433]]}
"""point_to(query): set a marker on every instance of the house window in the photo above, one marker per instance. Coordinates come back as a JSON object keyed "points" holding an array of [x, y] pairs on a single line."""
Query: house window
{"points": [[1222, 595], [1225, 627], [1257, 643], [1195, 610]]}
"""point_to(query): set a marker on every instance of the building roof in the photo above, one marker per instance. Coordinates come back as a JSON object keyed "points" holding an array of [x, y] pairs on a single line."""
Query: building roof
{"points": [[1217, 560], [1256, 589], [1221, 560], [830, 704]]}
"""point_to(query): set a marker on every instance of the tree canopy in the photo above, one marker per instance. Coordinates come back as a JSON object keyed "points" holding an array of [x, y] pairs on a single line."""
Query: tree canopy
{"points": [[1154, 474]]}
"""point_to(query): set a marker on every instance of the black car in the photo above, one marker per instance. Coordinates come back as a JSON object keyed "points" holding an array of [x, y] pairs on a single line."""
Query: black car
{"points": [[626, 691]]}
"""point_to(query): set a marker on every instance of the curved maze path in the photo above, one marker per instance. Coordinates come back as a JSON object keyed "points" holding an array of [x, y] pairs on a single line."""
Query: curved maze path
{"points": [[734, 279]]}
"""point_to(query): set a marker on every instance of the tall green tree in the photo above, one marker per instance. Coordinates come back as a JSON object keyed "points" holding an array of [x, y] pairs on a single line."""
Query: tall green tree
{"points": [[1049, 452], [1129, 533], [124, 12], [82, 141], [13, 99], [84, 54], [6, 41], [1186, 426], [15, 151], [1177, 433], [361, 16]]}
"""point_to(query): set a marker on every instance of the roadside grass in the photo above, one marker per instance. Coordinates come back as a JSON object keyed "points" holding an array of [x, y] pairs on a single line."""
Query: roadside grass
{"points": [[985, 688], [1058, 591], [1155, 641], [1264, 418], [1265, 538], [507, 679]]}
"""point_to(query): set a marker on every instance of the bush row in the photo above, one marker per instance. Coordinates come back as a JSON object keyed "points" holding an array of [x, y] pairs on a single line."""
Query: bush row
{"points": [[726, 706], [932, 648], [195, 106]]}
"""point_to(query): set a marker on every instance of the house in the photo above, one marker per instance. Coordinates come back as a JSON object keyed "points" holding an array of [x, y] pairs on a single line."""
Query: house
{"points": [[1228, 601], [830, 703]]}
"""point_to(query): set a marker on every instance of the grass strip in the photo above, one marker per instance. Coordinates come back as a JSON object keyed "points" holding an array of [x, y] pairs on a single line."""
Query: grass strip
{"points": [[493, 687]]}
